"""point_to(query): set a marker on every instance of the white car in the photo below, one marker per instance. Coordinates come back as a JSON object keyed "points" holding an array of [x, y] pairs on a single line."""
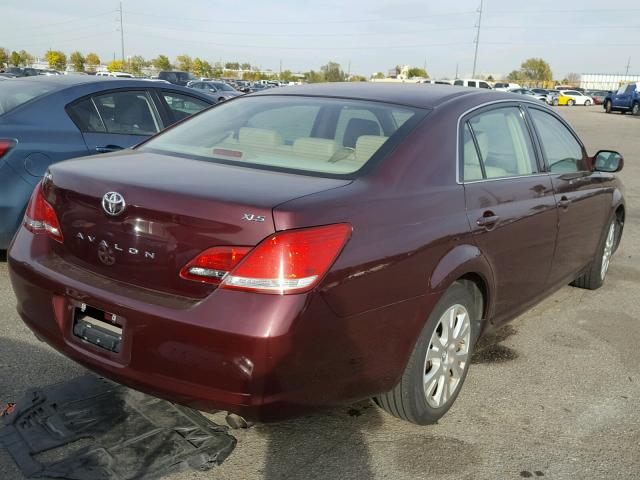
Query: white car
{"points": [[472, 82], [578, 98], [505, 86]]}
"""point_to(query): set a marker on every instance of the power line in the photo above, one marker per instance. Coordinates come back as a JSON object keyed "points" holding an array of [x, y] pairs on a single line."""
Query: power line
{"points": [[301, 22], [287, 35]]}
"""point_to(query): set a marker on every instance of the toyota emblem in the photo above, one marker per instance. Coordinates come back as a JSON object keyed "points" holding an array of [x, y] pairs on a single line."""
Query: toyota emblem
{"points": [[113, 203]]}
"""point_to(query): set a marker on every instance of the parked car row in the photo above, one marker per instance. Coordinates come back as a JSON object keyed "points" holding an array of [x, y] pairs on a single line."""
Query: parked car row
{"points": [[44, 120]]}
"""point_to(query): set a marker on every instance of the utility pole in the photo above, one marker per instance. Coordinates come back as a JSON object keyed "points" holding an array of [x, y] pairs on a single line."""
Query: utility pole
{"points": [[424, 66], [121, 34], [280, 69], [475, 56], [456, 72], [628, 66], [349, 71]]}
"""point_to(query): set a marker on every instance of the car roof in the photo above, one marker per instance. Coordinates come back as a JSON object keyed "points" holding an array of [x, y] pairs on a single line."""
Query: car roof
{"points": [[422, 95]]}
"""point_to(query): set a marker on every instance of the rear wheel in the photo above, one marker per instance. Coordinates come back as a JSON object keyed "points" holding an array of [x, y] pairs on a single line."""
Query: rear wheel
{"points": [[635, 110], [571, 103], [594, 277], [607, 106], [587, 103], [440, 359]]}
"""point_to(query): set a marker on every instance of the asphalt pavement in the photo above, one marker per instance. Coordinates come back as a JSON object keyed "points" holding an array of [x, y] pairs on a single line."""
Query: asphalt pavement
{"points": [[556, 394]]}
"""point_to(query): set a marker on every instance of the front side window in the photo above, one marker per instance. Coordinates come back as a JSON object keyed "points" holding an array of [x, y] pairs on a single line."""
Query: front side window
{"points": [[560, 147], [127, 113], [183, 106], [472, 84], [484, 85], [306, 134], [504, 143], [458, 82]]}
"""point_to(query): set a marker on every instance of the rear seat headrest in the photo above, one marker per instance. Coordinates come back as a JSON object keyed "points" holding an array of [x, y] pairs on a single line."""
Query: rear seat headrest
{"points": [[321, 148], [259, 137], [367, 145]]}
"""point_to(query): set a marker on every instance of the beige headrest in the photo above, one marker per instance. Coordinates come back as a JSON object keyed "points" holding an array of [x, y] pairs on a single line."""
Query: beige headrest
{"points": [[316, 147], [259, 137], [367, 145]]}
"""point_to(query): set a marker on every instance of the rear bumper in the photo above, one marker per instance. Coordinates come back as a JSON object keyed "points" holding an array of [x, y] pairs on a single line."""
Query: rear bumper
{"points": [[264, 357]]}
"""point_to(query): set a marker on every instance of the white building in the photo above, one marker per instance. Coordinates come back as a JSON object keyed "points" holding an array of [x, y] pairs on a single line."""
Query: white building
{"points": [[605, 81]]}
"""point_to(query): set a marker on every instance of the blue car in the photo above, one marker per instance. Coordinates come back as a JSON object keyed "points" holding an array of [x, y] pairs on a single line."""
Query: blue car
{"points": [[44, 120]]}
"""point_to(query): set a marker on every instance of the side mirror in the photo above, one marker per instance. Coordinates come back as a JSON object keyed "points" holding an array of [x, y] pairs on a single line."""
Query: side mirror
{"points": [[608, 161]]}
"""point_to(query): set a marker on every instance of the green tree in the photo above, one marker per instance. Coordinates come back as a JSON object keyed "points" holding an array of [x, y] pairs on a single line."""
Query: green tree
{"points": [[314, 77], [56, 59], [417, 72], [162, 62], [4, 57], [218, 70], [245, 66], [115, 66], [357, 78], [536, 70], [378, 75], [184, 62], [92, 61], [490, 78], [15, 59], [332, 72], [25, 58], [515, 76], [202, 68], [136, 63], [232, 66], [78, 61], [287, 76]]}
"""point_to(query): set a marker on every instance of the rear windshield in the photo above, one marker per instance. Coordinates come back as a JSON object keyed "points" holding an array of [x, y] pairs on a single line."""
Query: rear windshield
{"points": [[307, 134], [16, 92]]}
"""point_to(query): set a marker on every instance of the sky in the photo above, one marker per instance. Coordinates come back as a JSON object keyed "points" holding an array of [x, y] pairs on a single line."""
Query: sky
{"points": [[364, 36]]}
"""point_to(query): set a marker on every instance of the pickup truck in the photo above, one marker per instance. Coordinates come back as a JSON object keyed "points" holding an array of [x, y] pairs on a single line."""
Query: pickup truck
{"points": [[625, 99]]}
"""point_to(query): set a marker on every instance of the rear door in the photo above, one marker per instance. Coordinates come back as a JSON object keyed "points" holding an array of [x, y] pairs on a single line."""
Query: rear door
{"points": [[115, 120], [622, 96], [581, 198], [510, 204]]}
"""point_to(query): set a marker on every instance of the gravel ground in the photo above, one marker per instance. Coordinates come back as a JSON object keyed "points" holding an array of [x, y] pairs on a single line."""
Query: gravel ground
{"points": [[556, 394]]}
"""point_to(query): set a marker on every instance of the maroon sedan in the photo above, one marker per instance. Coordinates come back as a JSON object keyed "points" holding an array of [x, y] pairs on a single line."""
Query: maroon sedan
{"points": [[315, 245]]}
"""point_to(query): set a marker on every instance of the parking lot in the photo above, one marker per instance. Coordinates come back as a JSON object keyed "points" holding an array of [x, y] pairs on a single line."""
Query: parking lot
{"points": [[554, 394]]}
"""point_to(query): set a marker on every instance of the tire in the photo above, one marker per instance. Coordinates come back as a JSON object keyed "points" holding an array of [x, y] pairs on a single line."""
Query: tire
{"points": [[555, 102], [571, 103], [408, 400], [594, 277], [607, 106], [587, 103], [221, 99], [635, 109]]}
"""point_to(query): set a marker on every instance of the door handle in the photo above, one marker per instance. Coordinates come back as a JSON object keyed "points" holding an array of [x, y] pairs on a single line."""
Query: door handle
{"points": [[564, 202], [108, 148], [488, 220]]}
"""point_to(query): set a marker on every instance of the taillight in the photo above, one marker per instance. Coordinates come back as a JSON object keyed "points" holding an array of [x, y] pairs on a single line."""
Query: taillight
{"points": [[5, 146], [40, 216], [213, 264], [290, 261]]}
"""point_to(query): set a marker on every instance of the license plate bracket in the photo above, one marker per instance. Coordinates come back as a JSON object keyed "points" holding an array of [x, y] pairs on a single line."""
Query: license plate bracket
{"points": [[97, 327]]}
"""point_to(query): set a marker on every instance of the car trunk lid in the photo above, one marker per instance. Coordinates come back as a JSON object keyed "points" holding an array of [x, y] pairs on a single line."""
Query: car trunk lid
{"points": [[175, 208]]}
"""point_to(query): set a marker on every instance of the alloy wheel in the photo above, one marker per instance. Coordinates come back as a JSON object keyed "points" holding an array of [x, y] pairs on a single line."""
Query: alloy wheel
{"points": [[448, 356], [608, 250]]}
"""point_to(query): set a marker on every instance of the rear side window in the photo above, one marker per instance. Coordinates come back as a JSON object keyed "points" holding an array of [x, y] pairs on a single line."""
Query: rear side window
{"points": [[471, 84], [127, 113], [15, 92], [86, 117], [503, 144], [182, 106], [304, 134], [472, 167], [560, 147]]}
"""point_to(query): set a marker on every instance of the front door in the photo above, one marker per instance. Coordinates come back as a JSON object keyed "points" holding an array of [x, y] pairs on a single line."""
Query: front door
{"points": [[510, 206], [582, 203]]}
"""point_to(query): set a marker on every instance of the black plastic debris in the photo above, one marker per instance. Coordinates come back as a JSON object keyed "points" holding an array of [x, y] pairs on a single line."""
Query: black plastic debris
{"points": [[90, 428]]}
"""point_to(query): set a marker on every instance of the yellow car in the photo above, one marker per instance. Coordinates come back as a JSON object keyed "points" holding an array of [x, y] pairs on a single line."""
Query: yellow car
{"points": [[564, 100]]}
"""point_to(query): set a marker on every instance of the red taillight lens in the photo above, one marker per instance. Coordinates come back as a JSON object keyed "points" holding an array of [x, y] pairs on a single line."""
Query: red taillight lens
{"points": [[41, 217], [5, 146], [213, 264], [289, 262]]}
